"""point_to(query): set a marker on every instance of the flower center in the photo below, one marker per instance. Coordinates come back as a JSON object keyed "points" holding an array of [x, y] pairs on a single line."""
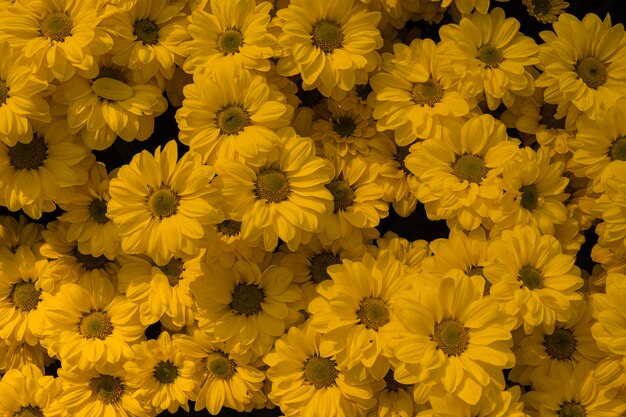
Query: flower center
{"points": [[146, 31], [56, 26], [478, 270], [247, 299], [28, 155], [95, 325], [220, 365], [165, 372], [232, 119], [90, 262], [163, 203], [451, 337], [4, 92], [530, 277], [173, 270], [24, 295], [373, 313], [427, 93], [490, 56], [363, 91], [28, 411], [229, 227], [561, 344], [272, 185], [344, 126], [391, 384], [618, 149], [112, 73], [572, 409], [591, 71], [530, 197], [327, 35], [320, 264], [108, 389], [321, 372], [542, 6], [230, 41], [547, 117], [470, 168], [98, 211], [343, 195], [401, 153]]}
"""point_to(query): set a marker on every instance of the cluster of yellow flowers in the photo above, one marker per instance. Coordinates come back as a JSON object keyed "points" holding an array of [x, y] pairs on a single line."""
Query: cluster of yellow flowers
{"points": [[251, 244]]}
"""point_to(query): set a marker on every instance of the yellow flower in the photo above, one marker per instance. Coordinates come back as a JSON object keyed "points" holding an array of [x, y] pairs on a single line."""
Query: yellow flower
{"points": [[545, 11], [15, 233], [495, 402], [395, 399], [27, 392], [17, 356], [611, 208], [230, 245]]}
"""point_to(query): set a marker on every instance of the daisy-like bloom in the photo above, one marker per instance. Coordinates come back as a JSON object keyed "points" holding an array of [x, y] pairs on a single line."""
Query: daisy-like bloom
{"points": [[15, 233], [22, 294], [453, 339], [394, 399], [101, 391], [230, 245], [354, 308], [332, 44], [417, 93], [245, 303], [230, 32], [226, 376], [17, 356], [161, 375], [545, 11], [305, 376], [532, 279], [148, 39], [284, 198], [232, 114], [412, 254], [458, 177], [611, 208], [90, 323], [58, 37], [27, 392], [583, 64], [160, 292], [163, 205], [494, 403], [491, 56], [359, 100]]}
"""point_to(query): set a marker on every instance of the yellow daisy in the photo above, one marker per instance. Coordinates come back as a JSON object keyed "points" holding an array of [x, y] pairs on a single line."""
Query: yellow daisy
{"points": [[164, 206], [359, 100], [15, 233], [611, 208], [17, 356], [494, 403], [394, 399], [545, 11], [332, 44], [26, 392], [412, 254], [230, 245]]}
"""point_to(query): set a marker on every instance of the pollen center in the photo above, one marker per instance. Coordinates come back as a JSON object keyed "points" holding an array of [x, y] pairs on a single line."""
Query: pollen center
{"points": [[327, 35], [108, 389], [592, 71], [451, 337], [561, 344], [219, 365], [530, 277], [373, 313], [344, 126], [530, 197], [320, 264], [4, 92], [272, 185], [547, 117], [401, 153], [28, 155], [56, 26], [146, 31], [229, 227], [490, 56], [28, 411], [618, 149], [247, 299], [542, 6], [173, 270], [321, 372], [427, 93], [90, 262], [572, 409], [230, 41], [343, 194], [95, 325], [232, 119], [98, 211], [24, 295], [165, 372], [470, 168], [163, 203]]}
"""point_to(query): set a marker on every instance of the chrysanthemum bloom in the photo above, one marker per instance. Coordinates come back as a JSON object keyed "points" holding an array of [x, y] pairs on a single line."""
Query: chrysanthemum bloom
{"points": [[90, 323], [60, 38], [494, 402], [109, 105], [230, 32], [307, 381], [455, 339], [251, 305], [417, 93], [232, 114], [99, 392], [583, 64], [227, 377], [163, 205], [284, 198], [15, 233], [394, 399], [545, 11], [148, 39], [611, 208], [160, 292], [532, 278], [22, 315], [332, 44], [230, 245], [459, 176], [161, 375], [491, 56], [411, 254], [359, 100], [17, 356], [26, 392]]}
